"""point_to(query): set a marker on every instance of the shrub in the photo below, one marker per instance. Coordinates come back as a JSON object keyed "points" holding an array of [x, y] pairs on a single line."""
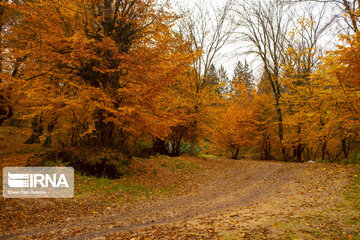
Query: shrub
{"points": [[100, 162], [353, 159]]}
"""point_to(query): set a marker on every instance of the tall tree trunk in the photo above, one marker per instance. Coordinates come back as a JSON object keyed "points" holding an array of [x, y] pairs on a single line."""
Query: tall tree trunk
{"points": [[323, 148], [176, 146], [299, 149], [266, 149], [281, 129], [37, 130], [50, 129], [193, 142], [193, 145], [344, 148]]}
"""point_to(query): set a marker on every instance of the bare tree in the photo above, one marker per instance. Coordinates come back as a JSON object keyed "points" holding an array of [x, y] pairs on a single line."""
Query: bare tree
{"points": [[208, 29], [270, 29], [309, 26], [347, 15], [264, 26]]}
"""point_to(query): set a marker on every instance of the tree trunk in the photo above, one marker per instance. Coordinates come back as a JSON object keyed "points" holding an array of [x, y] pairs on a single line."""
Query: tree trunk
{"points": [[37, 129], [193, 145], [298, 151], [281, 131], [50, 129], [235, 154], [266, 149], [345, 148], [323, 149], [159, 147], [176, 144], [193, 138]]}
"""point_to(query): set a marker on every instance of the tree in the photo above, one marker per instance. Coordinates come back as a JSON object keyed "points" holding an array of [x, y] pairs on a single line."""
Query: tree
{"points": [[302, 60], [324, 104], [99, 70], [244, 122], [265, 27], [348, 15], [7, 19], [212, 76], [207, 30], [243, 74], [224, 82], [340, 71]]}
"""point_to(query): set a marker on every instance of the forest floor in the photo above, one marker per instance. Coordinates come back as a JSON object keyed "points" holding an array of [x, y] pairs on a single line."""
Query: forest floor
{"points": [[194, 198]]}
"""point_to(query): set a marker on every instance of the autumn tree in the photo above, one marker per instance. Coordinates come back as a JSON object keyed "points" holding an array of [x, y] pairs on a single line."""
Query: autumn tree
{"points": [[302, 60], [340, 75], [207, 30], [245, 122], [265, 27], [317, 102], [98, 70], [8, 16]]}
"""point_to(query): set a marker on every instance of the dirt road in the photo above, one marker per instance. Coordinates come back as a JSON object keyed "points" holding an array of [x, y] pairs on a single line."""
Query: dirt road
{"points": [[243, 200]]}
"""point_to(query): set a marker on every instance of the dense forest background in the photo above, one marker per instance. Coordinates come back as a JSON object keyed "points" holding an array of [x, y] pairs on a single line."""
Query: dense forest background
{"points": [[140, 77]]}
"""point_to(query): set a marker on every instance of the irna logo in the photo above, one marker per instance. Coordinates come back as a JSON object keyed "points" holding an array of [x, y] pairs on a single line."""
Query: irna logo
{"points": [[17, 180], [38, 182]]}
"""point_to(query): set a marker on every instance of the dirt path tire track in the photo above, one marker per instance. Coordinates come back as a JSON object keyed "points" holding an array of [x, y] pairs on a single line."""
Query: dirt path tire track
{"points": [[244, 184], [221, 195]]}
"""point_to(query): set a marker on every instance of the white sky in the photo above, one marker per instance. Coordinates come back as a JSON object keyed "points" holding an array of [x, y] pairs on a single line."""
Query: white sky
{"points": [[229, 55], [232, 52]]}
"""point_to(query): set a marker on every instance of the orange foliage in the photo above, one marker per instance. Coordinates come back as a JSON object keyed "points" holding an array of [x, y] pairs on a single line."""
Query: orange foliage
{"points": [[244, 122], [322, 111], [78, 69]]}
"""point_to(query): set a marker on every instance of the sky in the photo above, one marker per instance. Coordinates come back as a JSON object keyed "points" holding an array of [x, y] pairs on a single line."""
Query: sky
{"points": [[232, 52], [229, 55]]}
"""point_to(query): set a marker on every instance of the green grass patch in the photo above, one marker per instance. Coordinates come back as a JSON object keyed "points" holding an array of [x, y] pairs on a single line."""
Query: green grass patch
{"points": [[207, 156], [107, 188], [140, 159], [122, 189], [354, 158], [128, 187], [168, 190], [320, 160]]}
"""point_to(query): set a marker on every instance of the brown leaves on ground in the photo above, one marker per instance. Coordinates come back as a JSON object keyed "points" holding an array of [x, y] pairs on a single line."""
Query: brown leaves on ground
{"points": [[221, 199], [309, 205], [149, 178]]}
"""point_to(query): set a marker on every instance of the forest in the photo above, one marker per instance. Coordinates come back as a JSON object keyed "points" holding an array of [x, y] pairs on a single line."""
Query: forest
{"points": [[180, 119], [145, 77]]}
